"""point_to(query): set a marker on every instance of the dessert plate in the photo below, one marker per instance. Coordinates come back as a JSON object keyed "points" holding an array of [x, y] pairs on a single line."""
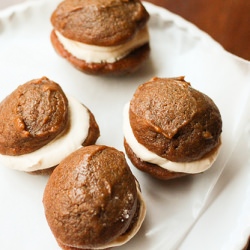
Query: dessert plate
{"points": [[196, 212]]}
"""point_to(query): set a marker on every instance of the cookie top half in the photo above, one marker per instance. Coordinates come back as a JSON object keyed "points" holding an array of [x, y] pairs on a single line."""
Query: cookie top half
{"points": [[174, 120], [99, 22], [91, 197], [31, 116]]}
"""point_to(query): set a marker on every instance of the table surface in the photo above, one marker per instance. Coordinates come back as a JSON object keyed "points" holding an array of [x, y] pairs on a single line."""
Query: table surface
{"points": [[227, 21]]}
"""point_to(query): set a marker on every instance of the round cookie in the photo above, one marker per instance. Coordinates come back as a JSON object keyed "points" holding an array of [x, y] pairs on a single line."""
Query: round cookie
{"points": [[174, 122], [42, 125], [34, 114], [101, 36], [95, 198]]}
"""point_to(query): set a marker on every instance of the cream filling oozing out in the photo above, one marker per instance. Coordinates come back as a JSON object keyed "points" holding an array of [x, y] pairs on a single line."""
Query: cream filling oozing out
{"points": [[100, 54], [54, 152], [145, 155]]}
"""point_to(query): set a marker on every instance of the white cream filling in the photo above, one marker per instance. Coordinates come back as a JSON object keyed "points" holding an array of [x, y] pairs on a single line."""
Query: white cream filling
{"points": [[127, 237], [99, 54], [145, 155], [54, 152]]}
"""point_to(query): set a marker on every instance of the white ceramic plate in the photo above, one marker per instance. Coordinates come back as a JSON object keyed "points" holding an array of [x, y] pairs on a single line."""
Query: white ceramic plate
{"points": [[206, 211]]}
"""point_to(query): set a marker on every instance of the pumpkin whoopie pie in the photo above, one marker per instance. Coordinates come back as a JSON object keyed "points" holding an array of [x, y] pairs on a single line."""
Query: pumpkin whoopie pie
{"points": [[42, 125], [92, 200], [171, 129], [101, 37]]}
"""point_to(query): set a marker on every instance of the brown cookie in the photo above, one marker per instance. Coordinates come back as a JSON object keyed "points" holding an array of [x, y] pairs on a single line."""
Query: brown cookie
{"points": [[91, 198], [173, 120], [101, 23], [38, 114], [34, 114], [94, 131], [128, 64]]}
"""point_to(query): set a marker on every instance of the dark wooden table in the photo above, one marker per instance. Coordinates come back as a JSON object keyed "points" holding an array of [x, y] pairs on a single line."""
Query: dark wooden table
{"points": [[227, 21]]}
